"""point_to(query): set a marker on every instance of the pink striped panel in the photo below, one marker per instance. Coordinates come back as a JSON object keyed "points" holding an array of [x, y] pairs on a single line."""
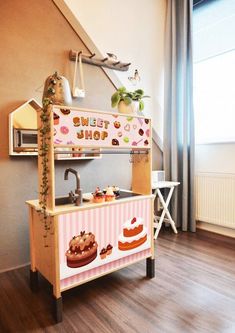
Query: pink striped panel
{"points": [[106, 223], [89, 274]]}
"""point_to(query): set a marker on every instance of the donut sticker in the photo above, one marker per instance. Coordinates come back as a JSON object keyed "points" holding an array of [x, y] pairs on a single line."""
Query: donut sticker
{"points": [[117, 124], [141, 132], [147, 132], [65, 111], [129, 118], [64, 130], [119, 134]]}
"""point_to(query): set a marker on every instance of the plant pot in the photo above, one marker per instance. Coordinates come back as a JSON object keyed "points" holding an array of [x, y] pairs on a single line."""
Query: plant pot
{"points": [[132, 108]]}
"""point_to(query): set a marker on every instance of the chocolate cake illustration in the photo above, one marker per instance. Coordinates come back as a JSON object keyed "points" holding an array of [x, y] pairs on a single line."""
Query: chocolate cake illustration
{"points": [[82, 250]]}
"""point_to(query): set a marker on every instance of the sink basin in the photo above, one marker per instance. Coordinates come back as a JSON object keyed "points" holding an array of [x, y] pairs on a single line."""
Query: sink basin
{"points": [[66, 200]]}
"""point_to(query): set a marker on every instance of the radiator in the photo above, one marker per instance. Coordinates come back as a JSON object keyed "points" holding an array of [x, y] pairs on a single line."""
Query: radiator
{"points": [[215, 199]]}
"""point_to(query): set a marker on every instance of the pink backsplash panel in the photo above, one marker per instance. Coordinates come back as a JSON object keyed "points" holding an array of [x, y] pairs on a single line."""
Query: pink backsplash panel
{"points": [[101, 129], [106, 223]]}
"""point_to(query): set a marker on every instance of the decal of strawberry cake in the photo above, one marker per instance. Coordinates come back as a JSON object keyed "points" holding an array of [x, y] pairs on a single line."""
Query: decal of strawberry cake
{"points": [[134, 234]]}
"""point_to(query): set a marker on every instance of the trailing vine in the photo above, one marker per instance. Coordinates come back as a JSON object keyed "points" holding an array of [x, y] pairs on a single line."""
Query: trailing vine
{"points": [[44, 134], [49, 97]]}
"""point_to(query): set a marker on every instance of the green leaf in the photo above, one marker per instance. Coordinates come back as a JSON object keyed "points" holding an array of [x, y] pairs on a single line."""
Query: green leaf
{"points": [[115, 99], [129, 94], [140, 92], [127, 100], [121, 89], [141, 105]]}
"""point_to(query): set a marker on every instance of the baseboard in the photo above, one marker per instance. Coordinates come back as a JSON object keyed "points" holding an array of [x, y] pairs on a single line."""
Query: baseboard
{"points": [[15, 267], [216, 229]]}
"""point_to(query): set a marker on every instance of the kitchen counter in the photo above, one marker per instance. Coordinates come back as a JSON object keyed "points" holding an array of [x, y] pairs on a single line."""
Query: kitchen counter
{"points": [[125, 196]]}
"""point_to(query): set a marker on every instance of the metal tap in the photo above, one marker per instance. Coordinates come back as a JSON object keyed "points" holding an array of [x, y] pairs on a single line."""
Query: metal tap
{"points": [[77, 197]]}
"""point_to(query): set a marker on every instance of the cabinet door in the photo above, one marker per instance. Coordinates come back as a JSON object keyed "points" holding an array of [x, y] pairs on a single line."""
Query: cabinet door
{"points": [[96, 241]]}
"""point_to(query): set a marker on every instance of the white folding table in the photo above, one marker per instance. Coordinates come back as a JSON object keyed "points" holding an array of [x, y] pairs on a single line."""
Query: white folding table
{"points": [[158, 220]]}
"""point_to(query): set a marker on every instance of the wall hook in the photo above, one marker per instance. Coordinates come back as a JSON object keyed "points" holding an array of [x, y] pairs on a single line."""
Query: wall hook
{"points": [[105, 59]]}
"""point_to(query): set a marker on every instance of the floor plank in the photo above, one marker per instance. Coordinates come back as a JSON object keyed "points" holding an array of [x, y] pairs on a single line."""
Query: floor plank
{"points": [[193, 291]]}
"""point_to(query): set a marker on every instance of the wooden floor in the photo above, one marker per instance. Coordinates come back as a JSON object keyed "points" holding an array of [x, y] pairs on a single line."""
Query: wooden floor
{"points": [[193, 291]]}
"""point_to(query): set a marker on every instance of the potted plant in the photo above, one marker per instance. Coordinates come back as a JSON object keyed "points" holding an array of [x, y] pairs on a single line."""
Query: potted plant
{"points": [[128, 101]]}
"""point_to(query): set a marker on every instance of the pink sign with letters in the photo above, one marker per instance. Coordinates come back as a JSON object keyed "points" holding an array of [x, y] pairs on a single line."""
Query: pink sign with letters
{"points": [[93, 128]]}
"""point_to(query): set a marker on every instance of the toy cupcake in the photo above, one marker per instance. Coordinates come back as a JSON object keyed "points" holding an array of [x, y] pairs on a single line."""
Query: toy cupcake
{"points": [[98, 196], [116, 190], [109, 195]]}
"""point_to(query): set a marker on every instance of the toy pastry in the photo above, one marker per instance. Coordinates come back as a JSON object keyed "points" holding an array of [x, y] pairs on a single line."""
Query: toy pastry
{"points": [[109, 196], [98, 196]]}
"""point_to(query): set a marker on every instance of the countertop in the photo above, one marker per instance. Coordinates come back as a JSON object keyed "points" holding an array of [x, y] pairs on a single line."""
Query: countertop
{"points": [[125, 196]]}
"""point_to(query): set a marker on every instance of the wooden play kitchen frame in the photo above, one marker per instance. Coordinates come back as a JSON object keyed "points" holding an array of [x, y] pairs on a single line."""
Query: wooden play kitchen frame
{"points": [[112, 133]]}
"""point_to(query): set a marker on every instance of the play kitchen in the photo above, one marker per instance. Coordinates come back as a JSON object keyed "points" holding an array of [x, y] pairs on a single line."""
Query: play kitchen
{"points": [[82, 236]]}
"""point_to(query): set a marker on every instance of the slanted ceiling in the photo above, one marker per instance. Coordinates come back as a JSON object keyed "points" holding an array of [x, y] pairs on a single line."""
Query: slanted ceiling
{"points": [[70, 17]]}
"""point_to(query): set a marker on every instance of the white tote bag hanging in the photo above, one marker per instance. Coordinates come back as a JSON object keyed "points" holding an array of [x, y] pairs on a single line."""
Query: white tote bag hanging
{"points": [[76, 91]]}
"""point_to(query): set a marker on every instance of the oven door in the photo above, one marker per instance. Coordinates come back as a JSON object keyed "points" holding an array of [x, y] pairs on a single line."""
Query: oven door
{"points": [[25, 139]]}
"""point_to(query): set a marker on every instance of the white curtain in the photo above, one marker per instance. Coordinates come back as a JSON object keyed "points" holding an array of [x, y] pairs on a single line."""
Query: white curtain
{"points": [[178, 143]]}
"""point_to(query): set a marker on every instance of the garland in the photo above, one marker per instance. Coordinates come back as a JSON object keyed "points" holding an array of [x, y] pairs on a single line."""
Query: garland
{"points": [[43, 151], [44, 134]]}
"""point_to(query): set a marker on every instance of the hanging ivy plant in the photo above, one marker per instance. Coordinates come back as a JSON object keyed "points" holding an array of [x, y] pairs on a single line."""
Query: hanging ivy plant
{"points": [[44, 135], [44, 146]]}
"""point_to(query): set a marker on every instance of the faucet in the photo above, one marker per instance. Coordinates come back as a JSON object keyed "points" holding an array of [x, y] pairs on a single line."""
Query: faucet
{"points": [[77, 199]]}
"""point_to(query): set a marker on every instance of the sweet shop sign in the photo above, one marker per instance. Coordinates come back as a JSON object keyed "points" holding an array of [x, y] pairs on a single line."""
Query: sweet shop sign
{"points": [[92, 128]]}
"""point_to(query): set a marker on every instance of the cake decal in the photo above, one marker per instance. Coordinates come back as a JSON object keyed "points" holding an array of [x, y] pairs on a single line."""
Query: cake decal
{"points": [[82, 250], [134, 234]]}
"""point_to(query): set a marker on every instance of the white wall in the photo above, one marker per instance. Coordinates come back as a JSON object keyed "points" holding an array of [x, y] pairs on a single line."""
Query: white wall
{"points": [[134, 31], [219, 158]]}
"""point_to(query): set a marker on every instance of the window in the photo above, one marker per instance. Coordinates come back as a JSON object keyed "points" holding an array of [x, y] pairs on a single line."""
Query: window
{"points": [[214, 71]]}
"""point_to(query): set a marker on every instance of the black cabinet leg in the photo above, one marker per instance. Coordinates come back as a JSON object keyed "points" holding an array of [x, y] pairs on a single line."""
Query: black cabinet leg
{"points": [[58, 308], [150, 268], [33, 280]]}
